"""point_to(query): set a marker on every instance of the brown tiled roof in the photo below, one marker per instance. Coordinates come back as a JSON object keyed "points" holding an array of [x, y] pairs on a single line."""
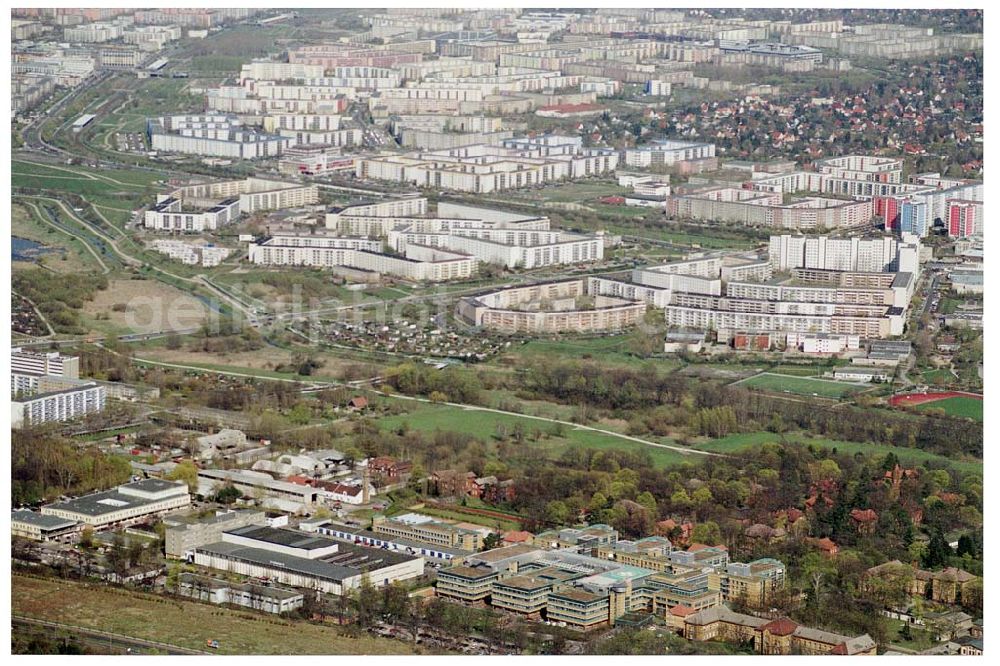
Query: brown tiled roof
{"points": [[783, 626], [956, 575]]}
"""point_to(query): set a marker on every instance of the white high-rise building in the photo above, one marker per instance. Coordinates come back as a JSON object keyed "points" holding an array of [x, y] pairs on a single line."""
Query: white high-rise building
{"points": [[865, 255]]}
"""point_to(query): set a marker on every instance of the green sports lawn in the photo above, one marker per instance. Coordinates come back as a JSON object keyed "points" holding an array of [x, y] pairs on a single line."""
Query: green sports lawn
{"points": [[970, 408], [824, 388]]}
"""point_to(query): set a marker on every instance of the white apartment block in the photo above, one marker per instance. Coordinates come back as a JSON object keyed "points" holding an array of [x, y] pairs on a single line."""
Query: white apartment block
{"points": [[484, 168], [53, 406], [91, 33], [209, 206], [191, 254], [419, 263], [865, 255], [44, 363], [656, 88], [302, 122], [343, 138], [668, 153], [491, 236], [404, 206], [169, 215], [265, 70], [763, 208], [549, 308], [819, 343], [212, 136]]}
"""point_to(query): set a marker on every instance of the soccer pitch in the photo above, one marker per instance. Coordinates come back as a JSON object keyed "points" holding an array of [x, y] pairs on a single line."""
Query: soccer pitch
{"points": [[823, 388]]}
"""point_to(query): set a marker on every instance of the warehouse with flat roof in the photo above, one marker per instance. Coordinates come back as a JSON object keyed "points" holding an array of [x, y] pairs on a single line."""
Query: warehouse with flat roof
{"points": [[304, 560]]}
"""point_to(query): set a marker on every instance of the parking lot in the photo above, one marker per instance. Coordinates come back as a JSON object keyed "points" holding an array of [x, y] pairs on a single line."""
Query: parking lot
{"points": [[130, 142]]}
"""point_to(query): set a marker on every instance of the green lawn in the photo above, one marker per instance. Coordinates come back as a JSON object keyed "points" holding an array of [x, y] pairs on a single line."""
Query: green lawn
{"points": [[940, 375], [485, 425], [132, 178], [907, 455], [969, 408], [612, 350], [823, 388]]}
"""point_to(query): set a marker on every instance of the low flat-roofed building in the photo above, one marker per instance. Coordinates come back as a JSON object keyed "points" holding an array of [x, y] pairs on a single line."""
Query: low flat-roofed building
{"points": [[266, 598], [336, 572], [435, 553], [124, 505], [41, 527], [277, 494], [425, 529]]}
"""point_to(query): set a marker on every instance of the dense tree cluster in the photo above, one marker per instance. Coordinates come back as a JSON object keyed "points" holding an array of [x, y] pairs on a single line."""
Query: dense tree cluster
{"points": [[661, 403], [45, 465], [59, 297]]}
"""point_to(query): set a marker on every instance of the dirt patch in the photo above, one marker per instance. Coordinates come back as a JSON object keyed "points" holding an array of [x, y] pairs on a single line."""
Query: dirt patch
{"points": [[921, 398], [264, 359], [147, 306]]}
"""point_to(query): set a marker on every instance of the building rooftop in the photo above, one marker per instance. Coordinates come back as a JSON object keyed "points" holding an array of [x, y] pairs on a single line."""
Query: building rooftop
{"points": [[282, 537], [117, 499], [368, 534], [42, 521], [474, 573], [349, 561]]}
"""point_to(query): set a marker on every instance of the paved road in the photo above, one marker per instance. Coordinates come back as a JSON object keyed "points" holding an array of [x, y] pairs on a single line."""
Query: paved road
{"points": [[105, 637]]}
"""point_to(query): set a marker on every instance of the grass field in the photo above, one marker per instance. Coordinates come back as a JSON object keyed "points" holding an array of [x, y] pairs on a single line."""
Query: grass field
{"points": [[485, 425], [184, 623], [610, 350], [823, 388], [907, 455], [931, 376], [969, 408]]}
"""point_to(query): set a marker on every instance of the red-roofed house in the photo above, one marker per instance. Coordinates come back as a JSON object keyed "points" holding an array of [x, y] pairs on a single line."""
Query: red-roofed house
{"points": [[518, 536], [826, 546]]}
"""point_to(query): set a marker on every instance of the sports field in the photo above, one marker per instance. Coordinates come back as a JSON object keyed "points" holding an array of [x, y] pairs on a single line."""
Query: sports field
{"points": [[823, 388], [963, 406]]}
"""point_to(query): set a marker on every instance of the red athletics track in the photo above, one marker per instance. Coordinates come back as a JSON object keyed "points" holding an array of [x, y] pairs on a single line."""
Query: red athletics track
{"points": [[921, 398]]}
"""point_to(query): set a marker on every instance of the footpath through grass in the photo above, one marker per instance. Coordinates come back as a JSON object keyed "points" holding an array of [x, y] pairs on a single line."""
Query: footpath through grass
{"points": [[554, 438], [184, 623]]}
